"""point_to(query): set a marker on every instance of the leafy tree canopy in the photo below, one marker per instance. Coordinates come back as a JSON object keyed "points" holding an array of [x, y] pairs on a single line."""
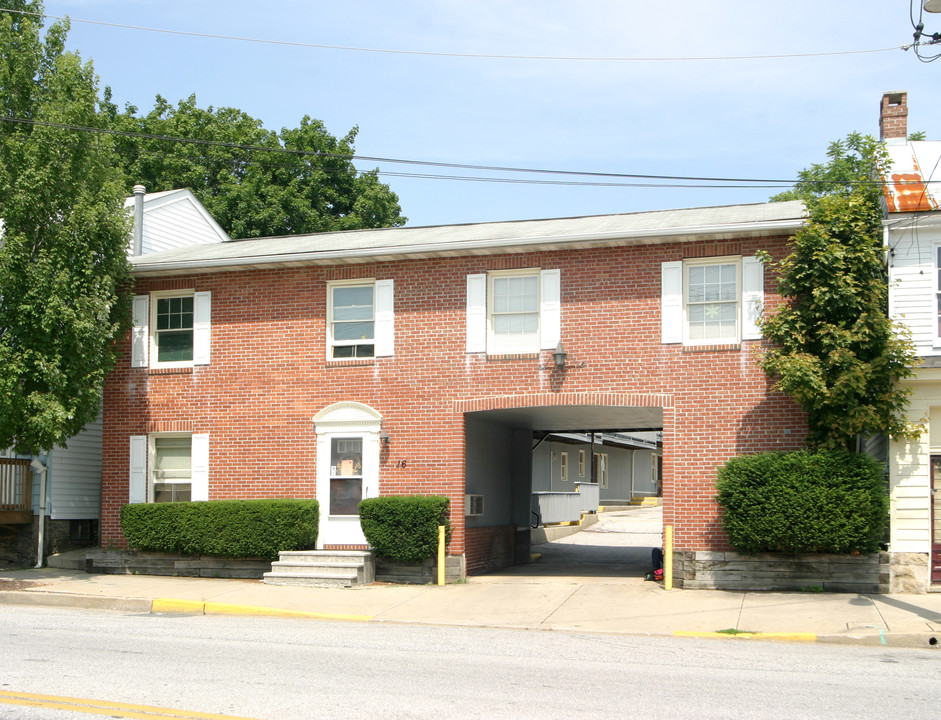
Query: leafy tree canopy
{"points": [[253, 181], [64, 277], [834, 348]]}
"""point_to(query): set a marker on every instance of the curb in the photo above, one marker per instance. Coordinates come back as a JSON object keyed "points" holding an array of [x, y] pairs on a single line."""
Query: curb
{"points": [[789, 636], [36, 598], [200, 607]]}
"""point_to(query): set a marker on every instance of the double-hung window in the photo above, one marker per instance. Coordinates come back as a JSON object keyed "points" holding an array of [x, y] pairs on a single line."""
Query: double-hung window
{"points": [[169, 467], [360, 319], [938, 294], [171, 329], [711, 301], [513, 311]]}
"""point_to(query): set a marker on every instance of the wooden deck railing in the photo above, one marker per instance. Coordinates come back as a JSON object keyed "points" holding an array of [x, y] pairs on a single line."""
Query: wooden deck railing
{"points": [[16, 491]]}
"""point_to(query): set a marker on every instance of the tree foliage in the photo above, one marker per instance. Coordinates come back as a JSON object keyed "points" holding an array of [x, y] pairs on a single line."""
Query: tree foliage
{"points": [[302, 181], [63, 266], [835, 350]]}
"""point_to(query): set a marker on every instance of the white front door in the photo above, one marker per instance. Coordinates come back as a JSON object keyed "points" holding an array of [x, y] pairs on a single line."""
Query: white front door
{"points": [[347, 470]]}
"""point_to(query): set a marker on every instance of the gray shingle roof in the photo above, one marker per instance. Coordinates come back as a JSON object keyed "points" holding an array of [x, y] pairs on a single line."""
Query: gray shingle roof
{"points": [[357, 246]]}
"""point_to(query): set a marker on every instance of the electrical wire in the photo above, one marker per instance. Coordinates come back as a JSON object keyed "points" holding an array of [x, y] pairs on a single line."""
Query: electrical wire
{"points": [[732, 182], [476, 56]]}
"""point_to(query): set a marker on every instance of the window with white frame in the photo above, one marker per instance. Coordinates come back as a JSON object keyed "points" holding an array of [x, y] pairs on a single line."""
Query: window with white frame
{"points": [[564, 468], [581, 463], [169, 467], [171, 329], [711, 301], [938, 291], [601, 469], [360, 320], [513, 311], [172, 468]]}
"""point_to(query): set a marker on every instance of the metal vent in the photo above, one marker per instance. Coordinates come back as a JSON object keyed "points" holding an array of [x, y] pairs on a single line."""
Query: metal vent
{"points": [[473, 505]]}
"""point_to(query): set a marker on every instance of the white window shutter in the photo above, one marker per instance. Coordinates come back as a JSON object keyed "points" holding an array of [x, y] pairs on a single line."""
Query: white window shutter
{"points": [[477, 313], [137, 480], [671, 301], [550, 308], [385, 318], [202, 315], [200, 466], [140, 334], [753, 295]]}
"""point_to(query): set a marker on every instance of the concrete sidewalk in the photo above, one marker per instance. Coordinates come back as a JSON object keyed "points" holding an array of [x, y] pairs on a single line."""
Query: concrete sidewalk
{"points": [[521, 599]]}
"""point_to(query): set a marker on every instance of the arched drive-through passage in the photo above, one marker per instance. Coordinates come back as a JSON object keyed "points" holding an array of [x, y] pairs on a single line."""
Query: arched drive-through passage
{"points": [[525, 461]]}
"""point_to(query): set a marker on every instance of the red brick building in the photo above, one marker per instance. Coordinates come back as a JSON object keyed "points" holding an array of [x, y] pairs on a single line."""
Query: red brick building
{"points": [[420, 360]]}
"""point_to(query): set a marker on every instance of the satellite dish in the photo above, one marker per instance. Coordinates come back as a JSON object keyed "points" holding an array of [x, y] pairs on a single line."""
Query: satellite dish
{"points": [[932, 6]]}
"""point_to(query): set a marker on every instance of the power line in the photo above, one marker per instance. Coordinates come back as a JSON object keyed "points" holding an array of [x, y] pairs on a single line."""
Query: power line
{"points": [[726, 181], [476, 56]]}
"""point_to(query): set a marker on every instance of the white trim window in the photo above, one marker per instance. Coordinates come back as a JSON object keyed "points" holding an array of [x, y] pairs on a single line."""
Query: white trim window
{"points": [[169, 467], [564, 466], [513, 311], [712, 301], [581, 463], [360, 319], [601, 466], [937, 302], [171, 329]]}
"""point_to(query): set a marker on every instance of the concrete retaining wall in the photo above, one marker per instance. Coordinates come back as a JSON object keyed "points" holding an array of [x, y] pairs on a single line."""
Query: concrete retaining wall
{"points": [[132, 562], [420, 573], [882, 572]]}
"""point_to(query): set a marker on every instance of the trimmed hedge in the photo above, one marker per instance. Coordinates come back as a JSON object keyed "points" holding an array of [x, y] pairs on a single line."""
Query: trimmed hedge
{"points": [[404, 528], [827, 501], [225, 528]]}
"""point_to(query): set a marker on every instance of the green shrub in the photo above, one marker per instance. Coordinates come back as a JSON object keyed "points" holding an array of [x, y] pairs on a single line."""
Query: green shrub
{"points": [[405, 528], [225, 528], [828, 501]]}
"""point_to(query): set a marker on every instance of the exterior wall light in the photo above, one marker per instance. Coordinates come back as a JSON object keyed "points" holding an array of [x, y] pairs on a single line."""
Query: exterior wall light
{"points": [[385, 437], [559, 356]]}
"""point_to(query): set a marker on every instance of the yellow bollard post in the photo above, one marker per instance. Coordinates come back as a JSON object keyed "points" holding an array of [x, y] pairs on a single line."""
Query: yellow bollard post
{"points": [[441, 554], [667, 557]]}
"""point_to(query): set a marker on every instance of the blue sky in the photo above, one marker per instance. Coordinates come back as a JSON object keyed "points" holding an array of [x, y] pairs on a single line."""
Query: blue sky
{"points": [[725, 118]]}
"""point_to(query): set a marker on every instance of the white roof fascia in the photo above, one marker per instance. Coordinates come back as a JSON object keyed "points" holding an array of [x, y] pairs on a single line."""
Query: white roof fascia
{"points": [[148, 265]]}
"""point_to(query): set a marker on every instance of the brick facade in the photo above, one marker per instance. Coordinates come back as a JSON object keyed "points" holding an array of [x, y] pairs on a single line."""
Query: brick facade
{"points": [[269, 377]]}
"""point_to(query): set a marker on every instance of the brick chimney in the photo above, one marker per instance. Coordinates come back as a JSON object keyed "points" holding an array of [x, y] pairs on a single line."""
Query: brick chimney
{"points": [[893, 118]]}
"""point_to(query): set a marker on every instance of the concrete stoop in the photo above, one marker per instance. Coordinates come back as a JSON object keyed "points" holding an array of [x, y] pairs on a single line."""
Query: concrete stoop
{"points": [[322, 568]]}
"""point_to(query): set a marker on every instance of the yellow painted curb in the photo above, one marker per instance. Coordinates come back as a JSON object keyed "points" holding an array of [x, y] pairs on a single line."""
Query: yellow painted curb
{"points": [[227, 609], [797, 637], [169, 605]]}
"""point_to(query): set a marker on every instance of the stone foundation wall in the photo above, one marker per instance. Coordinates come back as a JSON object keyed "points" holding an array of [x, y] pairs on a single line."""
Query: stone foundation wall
{"points": [[882, 572], [423, 573], [133, 562]]}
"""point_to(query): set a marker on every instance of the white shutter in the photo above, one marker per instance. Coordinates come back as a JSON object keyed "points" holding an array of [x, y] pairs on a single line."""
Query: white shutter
{"points": [[753, 295], [550, 308], [140, 334], [137, 480], [202, 314], [385, 318], [200, 467], [477, 313], [671, 301]]}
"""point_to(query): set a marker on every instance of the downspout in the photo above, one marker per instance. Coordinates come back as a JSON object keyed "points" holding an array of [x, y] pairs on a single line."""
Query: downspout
{"points": [[138, 245], [38, 466]]}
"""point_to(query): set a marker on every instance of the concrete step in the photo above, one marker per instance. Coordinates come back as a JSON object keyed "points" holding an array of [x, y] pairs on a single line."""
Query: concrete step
{"points": [[324, 557], [308, 580], [71, 560], [322, 568]]}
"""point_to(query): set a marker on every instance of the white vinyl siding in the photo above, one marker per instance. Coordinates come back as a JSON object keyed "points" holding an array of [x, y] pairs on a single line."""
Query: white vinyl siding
{"points": [[510, 312], [75, 476], [914, 286]]}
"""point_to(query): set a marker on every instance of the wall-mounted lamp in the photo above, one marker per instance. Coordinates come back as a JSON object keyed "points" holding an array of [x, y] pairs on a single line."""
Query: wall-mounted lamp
{"points": [[559, 356], [384, 437]]}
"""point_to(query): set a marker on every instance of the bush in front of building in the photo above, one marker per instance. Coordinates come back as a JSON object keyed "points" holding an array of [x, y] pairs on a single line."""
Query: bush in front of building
{"points": [[223, 528], [824, 501], [404, 528]]}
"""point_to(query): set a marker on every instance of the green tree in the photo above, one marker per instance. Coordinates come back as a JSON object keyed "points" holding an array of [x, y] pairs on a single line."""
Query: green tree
{"points": [[833, 347], [64, 277], [302, 180]]}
